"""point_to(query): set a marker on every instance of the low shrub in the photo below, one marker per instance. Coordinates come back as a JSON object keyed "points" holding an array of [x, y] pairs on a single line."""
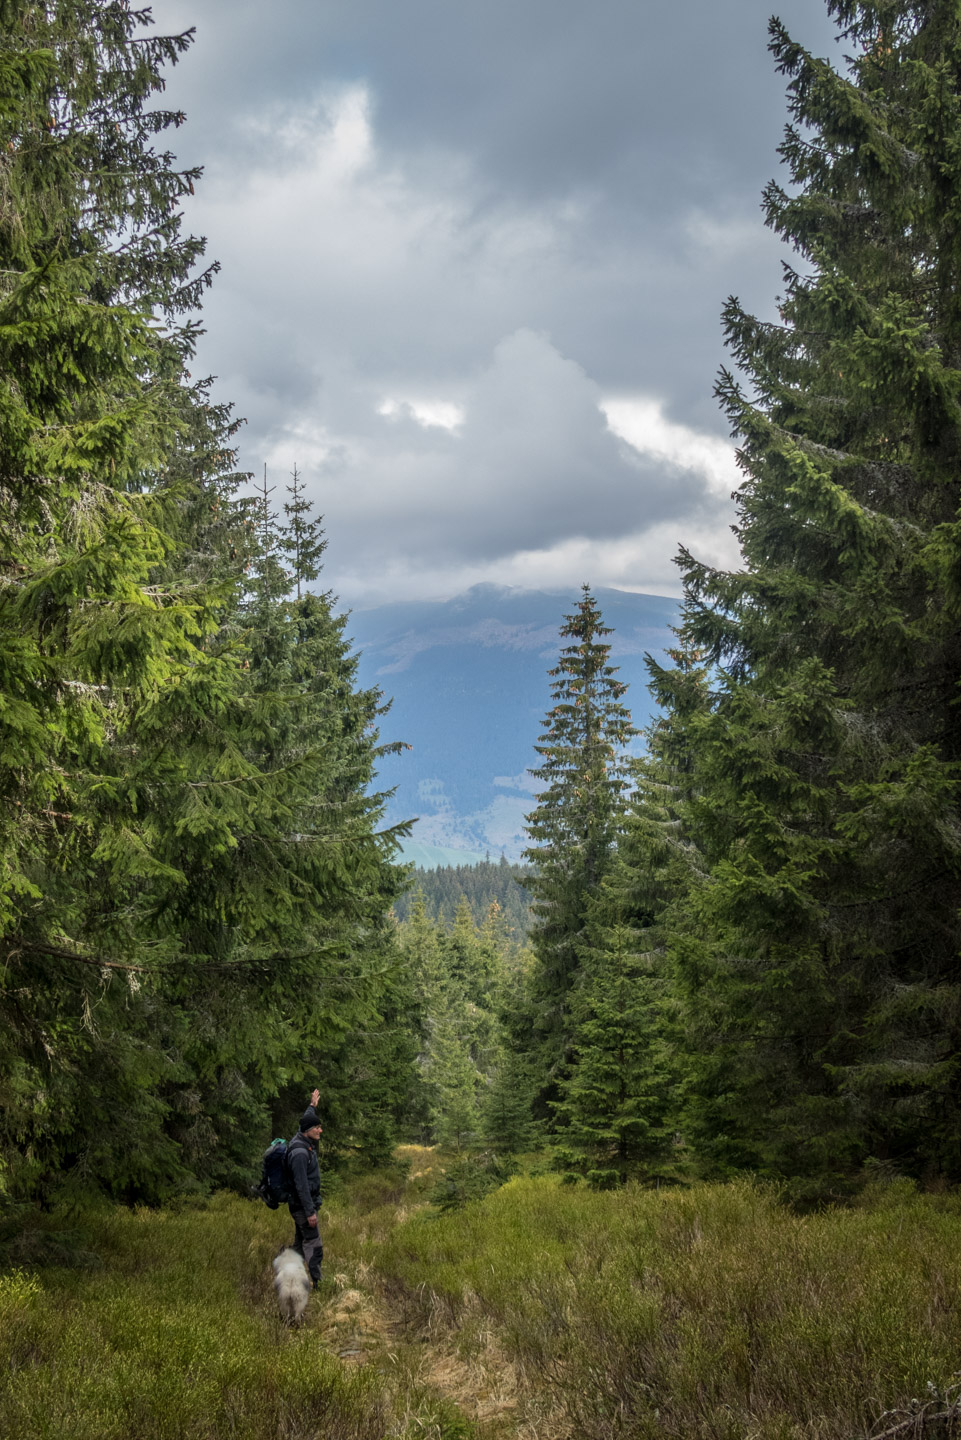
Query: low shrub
{"points": [[470, 1177]]}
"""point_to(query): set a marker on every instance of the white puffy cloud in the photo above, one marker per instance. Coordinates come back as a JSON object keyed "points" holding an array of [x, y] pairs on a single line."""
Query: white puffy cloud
{"points": [[642, 423], [432, 414]]}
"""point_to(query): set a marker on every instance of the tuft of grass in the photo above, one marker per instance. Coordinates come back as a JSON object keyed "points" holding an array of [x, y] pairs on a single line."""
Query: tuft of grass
{"points": [[712, 1312]]}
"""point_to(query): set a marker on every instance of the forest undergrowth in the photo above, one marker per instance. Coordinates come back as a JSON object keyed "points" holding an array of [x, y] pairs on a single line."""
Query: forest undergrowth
{"points": [[543, 1312]]}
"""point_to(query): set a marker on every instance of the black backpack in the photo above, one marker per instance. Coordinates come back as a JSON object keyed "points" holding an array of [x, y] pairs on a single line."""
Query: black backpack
{"points": [[274, 1187]]}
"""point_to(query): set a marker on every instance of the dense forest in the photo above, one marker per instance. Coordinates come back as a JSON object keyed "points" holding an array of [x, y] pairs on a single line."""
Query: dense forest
{"points": [[741, 949], [195, 889], [482, 885]]}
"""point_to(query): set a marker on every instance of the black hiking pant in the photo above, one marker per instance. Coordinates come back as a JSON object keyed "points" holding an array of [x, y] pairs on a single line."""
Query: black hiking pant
{"points": [[307, 1242]]}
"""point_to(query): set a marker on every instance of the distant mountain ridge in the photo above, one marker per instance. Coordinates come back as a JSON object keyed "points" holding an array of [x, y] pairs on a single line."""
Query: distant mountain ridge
{"points": [[470, 690]]}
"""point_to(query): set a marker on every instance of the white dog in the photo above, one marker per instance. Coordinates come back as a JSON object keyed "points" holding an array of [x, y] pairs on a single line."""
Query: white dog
{"points": [[292, 1284]]}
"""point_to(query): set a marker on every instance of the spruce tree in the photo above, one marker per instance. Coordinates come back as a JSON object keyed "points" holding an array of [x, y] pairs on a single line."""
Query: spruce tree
{"points": [[109, 457], [453, 1076], [617, 1105], [296, 896], [584, 772], [818, 948], [303, 541], [459, 984], [508, 1105], [418, 943]]}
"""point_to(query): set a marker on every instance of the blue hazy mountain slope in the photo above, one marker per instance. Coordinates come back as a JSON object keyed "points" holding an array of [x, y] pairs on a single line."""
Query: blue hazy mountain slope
{"points": [[470, 692]]}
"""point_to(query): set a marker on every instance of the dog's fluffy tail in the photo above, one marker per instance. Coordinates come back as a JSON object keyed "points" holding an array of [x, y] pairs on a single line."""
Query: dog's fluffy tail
{"points": [[292, 1284]]}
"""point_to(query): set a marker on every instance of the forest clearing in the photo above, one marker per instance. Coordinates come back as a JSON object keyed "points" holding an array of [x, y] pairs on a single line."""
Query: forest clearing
{"points": [[542, 1311]]}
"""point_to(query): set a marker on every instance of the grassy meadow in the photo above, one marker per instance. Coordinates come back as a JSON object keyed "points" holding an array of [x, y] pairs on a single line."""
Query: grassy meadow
{"points": [[166, 1330], [543, 1312]]}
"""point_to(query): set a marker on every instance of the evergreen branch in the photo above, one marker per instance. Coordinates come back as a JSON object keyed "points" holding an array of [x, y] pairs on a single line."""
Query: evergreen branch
{"points": [[16, 945]]}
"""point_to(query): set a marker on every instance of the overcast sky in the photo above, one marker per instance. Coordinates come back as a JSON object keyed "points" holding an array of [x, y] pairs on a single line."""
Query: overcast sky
{"points": [[474, 254]]}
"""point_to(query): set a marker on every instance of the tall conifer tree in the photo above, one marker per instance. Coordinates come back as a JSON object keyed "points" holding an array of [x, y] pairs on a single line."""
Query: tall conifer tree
{"points": [[819, 951], [574, 827], [111, 464], [617, 1104], [303, 540]]}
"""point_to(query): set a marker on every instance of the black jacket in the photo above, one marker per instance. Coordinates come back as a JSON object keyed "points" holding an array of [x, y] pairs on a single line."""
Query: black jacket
{"points": [[304, 1171]]}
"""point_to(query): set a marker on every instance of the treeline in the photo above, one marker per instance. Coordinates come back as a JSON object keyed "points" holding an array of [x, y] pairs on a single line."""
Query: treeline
{"points": [[193, 882], [747, 944], [482, 885]]}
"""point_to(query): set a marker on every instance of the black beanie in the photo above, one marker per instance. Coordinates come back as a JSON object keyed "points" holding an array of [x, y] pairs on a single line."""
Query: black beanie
{"points": [[308, 1120]]}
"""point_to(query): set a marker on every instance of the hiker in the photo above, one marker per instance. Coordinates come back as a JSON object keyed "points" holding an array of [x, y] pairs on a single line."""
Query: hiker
{"points": [[303, 1170]]}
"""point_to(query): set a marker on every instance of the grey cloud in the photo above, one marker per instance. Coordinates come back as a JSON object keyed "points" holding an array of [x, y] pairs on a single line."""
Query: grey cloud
{"points": [[557, 199], [533, 463], [547, 95]]}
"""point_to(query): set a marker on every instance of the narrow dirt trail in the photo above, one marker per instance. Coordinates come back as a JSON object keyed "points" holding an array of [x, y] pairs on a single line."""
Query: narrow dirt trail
{"points": [[362, 1328], [415, 1348]]}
